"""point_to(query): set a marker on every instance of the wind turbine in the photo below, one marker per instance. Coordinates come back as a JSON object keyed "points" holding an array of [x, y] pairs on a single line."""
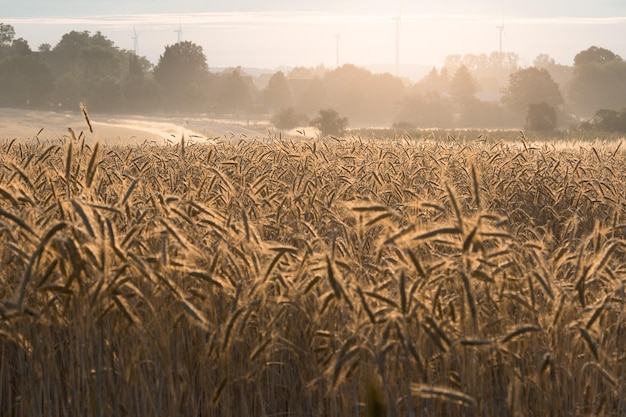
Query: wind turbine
{"points": [[136, 40], [398, 19], [179, 31], [501, 30], [337, 36]]}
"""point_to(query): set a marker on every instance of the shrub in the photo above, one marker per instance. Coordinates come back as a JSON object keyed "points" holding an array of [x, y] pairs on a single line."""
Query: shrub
{"points": [[541, 117], [610, 120], [288, 119], [330, 123]]}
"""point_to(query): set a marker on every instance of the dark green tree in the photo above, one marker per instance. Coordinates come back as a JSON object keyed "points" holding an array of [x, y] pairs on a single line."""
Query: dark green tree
{"points": [[183, 73], [599, 81], [594, 55], [141, 91], [562, 74], [89, 68], [7, 34], [541, 117], [462, 85], [531, 85], [25, 79], [427, 110], [329, 122], [278, 94], [232, 92], [435, 81], [610, 120]]}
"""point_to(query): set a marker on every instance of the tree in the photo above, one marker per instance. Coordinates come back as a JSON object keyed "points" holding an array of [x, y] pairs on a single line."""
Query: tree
{"points": [[7, 33], [232, 92], [610, 120], [278, 94], [427, 110], [141, 91], [182, 70], [594, 55], [482, 114], [490, 71], [364, 96], [462, 85], [45, 48], [531, 86], [599, 81], [91, 69], [434, 81], [541, 117], [543, 61], [330, 123], [349, 87], [24, 76], [562, 74], [313, 96]]}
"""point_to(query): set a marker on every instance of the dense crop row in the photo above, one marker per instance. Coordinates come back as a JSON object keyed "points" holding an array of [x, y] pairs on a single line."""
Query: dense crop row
{"points": [[277, 277]]}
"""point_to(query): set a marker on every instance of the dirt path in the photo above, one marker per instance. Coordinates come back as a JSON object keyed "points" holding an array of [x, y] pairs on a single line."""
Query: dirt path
{"points": [[28, 125]]}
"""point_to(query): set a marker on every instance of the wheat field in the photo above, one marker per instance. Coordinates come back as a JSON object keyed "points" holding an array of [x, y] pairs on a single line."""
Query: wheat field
{"points": [[312, 277]]}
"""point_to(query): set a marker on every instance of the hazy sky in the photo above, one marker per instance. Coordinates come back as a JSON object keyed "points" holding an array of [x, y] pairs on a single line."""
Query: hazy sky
{"points": [[273, 33]]}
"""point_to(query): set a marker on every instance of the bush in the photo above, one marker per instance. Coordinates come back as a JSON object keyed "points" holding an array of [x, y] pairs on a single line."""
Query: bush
{"points": [[610, 120], [403, 125], [330, 123], [541, 117], [288, 119], [606, 120]]}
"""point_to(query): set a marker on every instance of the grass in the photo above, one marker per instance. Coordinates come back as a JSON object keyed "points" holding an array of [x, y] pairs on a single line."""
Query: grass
{"points": [[310, 277]]}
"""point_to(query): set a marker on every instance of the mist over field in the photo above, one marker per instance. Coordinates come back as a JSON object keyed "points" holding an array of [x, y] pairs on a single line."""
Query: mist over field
{"points": [[482, 64], [489, 91]]}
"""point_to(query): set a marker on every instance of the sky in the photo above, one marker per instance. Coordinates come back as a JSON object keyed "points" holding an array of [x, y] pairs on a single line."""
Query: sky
{"points": [[280, 33]]}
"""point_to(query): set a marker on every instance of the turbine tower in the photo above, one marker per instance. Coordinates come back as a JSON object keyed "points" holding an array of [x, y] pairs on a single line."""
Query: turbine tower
{"points": [[136, 40], [337, 36], [501, 33], [179, 31], [397, 19]]}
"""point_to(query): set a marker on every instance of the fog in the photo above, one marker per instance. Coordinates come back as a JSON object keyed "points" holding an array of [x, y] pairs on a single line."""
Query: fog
{"points": [[376, 65]]}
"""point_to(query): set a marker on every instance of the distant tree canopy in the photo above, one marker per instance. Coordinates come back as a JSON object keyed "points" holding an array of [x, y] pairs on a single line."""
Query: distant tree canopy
{"points": [[435, 81], [363, 96], [430, 110], [472, 90], [7, 34], [531, 86], [594, 55], [183, 73], [232, 92], [92, 69], [24, 77], [278, 94], [462, 85], [312, 95], [609, 120], [490, 71], [599, 81], [562, 74]]}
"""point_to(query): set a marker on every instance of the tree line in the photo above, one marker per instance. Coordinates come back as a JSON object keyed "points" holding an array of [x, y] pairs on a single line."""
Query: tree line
{"points": [[486, 90]]}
